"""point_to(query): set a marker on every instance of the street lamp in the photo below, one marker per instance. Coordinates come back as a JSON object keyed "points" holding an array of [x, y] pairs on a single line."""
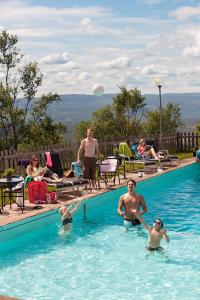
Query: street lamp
{"points": [[158, 82]]}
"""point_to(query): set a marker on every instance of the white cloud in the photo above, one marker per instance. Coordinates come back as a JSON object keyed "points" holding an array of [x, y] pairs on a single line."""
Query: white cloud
{"points": [[19, 10], [84, 76], [154, 69], [89, 26], [186, 12], [2, 75], [193, 51], [118, 63], [192, 41], [56, 58]]}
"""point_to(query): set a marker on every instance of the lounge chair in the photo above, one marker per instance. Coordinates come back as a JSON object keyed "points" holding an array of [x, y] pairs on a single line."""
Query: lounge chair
{"points": [[54, 163], [163, 161], [131, 159], [165, 154], [108, 169]]}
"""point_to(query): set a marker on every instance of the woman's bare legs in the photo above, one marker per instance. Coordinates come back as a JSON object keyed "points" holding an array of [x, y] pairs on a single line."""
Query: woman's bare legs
{"points": [[152, 152], [55, 178]]}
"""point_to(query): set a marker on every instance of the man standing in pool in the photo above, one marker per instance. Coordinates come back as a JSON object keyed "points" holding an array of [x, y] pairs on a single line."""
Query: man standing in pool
{"points": [[129, 202]]}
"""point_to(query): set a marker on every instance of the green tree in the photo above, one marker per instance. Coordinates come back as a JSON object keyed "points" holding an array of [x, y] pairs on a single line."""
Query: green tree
{"points": [[129, 110], [18, 89], [198, 126], [171, 120], [104, 123], [81, 128]]}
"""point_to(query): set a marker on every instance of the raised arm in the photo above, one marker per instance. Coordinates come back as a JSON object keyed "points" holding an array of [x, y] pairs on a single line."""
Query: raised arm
{"points": [[143, 206], [76, 207], [120, 206], [138, 216]]}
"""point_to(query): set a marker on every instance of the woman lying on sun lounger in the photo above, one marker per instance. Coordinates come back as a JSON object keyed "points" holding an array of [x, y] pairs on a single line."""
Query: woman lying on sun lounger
{"points": [[38, 173], [146, 151]]}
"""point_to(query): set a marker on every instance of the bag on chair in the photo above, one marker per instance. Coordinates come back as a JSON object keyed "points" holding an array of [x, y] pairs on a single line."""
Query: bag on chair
{"points": [[37, 191]]}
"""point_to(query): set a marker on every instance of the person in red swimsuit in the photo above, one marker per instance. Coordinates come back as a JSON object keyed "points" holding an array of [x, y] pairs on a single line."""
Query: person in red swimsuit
{"points": [[146, 151]]}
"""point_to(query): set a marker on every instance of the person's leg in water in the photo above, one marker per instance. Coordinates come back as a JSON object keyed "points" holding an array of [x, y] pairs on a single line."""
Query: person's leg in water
{"points": [[127, 224]]}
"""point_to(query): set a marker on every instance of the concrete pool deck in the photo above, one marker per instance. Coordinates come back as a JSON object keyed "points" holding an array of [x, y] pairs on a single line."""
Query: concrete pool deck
{"points": [[13, 215]]}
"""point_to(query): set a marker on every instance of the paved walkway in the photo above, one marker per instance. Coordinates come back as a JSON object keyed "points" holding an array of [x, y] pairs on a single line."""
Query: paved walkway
{"points": [[15, 214]]}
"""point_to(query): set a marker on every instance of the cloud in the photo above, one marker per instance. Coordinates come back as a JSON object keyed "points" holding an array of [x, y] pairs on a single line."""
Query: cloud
{"points": [[84, 76], [89, 26], [193, 51], [118, 63], [19, 10], [153, 69], [186, 12], [56, 58]]}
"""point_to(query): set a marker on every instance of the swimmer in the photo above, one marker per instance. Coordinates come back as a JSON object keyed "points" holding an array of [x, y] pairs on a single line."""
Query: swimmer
{"points": [[129, 201], [155, 233], [67, 213]]}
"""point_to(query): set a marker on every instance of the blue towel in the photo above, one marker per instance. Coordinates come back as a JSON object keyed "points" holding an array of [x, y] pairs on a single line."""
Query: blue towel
{"points": [[76, 168]]}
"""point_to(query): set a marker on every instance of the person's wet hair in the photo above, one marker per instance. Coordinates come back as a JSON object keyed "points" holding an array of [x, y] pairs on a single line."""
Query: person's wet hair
{"points": [[131, 180], [159, 221]]}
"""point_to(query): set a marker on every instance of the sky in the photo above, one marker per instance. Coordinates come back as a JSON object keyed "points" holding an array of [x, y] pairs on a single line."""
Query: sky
{"points": [[80, 43]]}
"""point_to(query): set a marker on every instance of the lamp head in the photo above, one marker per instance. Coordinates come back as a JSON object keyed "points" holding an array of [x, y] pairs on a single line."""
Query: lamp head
{"points": [[158, 82]]}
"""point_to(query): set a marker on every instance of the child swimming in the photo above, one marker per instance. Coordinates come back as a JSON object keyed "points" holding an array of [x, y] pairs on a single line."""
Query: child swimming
{"points": [[155, 233], [67, 213]]}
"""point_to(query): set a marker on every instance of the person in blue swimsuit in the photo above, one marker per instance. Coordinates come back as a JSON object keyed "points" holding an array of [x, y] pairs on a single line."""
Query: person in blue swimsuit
{"points": [[67, 213]]}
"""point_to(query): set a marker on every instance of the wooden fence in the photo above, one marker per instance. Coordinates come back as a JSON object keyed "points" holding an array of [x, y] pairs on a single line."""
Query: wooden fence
{"points": [[181, 142]]}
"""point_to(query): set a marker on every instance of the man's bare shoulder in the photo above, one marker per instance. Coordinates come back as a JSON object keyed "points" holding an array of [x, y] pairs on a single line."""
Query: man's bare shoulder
{"points": [[138, 196], [124, 196]]}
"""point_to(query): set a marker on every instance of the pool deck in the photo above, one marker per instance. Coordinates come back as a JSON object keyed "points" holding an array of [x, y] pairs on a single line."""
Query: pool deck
{"points": [[13, 215]]}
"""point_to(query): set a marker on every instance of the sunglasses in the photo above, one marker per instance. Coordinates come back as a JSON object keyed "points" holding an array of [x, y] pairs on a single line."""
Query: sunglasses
{"points": [[157, 222]]}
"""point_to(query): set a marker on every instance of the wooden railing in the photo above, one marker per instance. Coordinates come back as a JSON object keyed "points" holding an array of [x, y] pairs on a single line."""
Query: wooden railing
{"points": [[181, 142]]}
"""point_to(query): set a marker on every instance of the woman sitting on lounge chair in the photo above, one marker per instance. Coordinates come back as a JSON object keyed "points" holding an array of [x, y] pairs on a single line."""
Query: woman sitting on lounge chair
{"points": [[146, 151], [38, 173]]}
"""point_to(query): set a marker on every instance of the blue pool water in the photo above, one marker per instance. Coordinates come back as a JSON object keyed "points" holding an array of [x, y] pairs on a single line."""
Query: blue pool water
{"points": [[100, 261]]}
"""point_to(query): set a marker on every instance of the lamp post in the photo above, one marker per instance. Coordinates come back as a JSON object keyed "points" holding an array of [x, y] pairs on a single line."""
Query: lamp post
{"points": [[159, 85]]}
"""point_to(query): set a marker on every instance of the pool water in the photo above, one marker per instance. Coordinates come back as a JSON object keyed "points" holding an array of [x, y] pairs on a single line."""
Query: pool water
{"points": [[99, 260]]}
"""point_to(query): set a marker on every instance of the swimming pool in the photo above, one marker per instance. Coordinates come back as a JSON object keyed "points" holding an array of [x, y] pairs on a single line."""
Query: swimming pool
{"points": [[100, 261]]}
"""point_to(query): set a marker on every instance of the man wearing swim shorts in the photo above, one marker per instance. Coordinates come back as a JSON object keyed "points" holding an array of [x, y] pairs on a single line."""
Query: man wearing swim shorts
{"points": [[131, 201], [89, 149]]}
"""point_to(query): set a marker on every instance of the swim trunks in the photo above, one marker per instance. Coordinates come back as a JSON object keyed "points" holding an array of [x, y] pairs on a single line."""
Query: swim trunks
{"points": [[128, 223], [66, 221], [154, 249]]}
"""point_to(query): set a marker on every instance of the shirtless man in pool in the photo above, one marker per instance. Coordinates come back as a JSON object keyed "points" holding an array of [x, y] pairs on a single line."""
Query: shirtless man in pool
{"points": [[129, 202]]}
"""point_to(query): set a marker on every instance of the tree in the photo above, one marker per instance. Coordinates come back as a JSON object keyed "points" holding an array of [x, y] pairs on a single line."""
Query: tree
{"points": [[104, 123], [18, 88], [198, 126], [81, 128], [171, 120], [129, 110]]}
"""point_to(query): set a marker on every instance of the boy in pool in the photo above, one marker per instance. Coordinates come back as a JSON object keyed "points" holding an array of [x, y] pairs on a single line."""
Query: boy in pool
{"points": [[155, 233], [67, 213]]}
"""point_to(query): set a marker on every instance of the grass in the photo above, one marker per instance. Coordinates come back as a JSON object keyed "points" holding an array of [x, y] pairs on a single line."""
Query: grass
{"points": [[183, 155]]}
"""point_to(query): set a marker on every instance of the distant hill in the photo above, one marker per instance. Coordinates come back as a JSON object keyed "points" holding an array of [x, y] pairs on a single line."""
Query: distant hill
{"points": [[76, 107]]}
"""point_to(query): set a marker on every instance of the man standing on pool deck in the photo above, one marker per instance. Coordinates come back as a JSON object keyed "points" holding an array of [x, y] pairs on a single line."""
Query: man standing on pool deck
{"points": [[89, 148], [131, 201]]}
